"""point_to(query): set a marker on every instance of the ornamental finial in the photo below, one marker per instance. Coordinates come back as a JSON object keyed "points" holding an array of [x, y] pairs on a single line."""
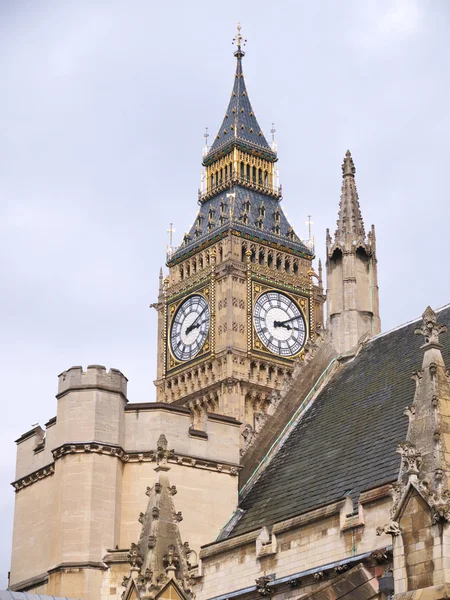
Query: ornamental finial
{"points": [[239, 41], [348, 166], [430, 328]]}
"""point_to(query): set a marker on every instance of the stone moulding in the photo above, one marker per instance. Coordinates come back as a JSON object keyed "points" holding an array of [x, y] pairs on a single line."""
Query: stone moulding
{"points": [[75, 566], [118, 452], [29, 584], [31, 478]]}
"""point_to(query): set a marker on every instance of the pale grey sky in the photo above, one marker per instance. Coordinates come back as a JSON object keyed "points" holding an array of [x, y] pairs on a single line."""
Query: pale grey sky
{"points": [[103, 106]]}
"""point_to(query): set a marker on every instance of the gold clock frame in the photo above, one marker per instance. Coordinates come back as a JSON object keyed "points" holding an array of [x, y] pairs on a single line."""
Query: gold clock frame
{"points": [[255, 345], [172, 362]]}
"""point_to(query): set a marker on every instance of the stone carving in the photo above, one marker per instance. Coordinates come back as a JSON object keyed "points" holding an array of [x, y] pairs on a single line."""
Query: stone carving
{"points": [[263, 586], [409, 411], [440, 506], [430, 328], [341, 569], [134, 557], [411, 458], [392, 528]]}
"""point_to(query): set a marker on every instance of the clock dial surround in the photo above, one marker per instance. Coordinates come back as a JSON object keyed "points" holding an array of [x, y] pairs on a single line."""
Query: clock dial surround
{"points": [[190, 327], [279, 323]]}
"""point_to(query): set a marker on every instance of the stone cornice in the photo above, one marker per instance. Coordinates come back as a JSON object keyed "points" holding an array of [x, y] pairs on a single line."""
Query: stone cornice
{"points": [[139, 406], [117, 451], [94, 386], [33, 477], [69, 566], [29, 584]]}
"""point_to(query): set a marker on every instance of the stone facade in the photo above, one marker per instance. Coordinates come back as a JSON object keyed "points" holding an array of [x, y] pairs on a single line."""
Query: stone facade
{"points": [[80, 485]]}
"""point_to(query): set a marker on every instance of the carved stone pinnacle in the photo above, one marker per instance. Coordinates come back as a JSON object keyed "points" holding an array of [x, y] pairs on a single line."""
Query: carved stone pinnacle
{"points": [[430, 328]]}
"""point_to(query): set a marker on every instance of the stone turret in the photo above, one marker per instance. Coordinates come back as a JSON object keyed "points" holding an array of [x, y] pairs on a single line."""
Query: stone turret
{"points": [[351, 265], [421, 509]]}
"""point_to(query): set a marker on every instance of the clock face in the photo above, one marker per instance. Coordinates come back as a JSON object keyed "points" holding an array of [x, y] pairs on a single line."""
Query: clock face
{"points": [[190, 327], [279, 323]]}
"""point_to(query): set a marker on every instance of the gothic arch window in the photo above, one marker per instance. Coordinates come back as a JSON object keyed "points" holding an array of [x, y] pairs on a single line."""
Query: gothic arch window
{"points": [[266, 178], [276, 229], [278, 263], [248, 172], [260, 179], [261, 257], [220, 253], [287, 265], [181, 272], [242, 170], [270, 259], [254, 174], [200, 261], [295, 267]]}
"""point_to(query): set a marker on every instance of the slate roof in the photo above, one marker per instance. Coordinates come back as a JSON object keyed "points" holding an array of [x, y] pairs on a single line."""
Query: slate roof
{"points": [[239, 125], [346, 442], [212, 223]]}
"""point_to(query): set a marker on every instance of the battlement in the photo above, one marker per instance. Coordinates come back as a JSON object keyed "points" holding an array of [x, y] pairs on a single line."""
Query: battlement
{"points": [[95, 377]]}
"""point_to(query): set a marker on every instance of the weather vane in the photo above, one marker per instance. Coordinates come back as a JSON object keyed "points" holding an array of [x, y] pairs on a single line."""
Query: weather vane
{"points": [[238, 39]]}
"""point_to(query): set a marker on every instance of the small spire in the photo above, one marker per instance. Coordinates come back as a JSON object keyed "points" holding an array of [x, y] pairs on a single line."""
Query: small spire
{"points": [[350, 221]]}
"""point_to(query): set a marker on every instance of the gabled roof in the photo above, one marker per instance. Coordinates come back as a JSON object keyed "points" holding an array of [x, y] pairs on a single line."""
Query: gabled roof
{"points": [[239, 126], [346, 442]]}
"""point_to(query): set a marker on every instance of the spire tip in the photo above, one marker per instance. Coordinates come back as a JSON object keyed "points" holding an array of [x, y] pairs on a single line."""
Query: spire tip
{"points": [[239, 41]]}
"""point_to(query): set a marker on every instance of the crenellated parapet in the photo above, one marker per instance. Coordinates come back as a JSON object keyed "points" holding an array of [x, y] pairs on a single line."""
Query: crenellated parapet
{"points": [[95, 377]]}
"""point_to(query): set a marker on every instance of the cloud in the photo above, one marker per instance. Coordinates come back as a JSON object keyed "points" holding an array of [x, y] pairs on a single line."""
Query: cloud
{"points": [[402, 16]]}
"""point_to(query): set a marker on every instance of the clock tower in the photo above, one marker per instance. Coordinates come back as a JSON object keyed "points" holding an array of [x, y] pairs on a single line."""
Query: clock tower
{"points": [[241, 299]]}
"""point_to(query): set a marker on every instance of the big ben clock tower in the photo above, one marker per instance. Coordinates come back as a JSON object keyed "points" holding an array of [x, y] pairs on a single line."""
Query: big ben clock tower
{"points": [[240, 300]]}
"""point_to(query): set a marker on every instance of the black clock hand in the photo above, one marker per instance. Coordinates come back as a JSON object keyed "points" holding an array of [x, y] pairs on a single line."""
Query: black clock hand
{"points": [[193, 325], [196, 326], [283, 323]]}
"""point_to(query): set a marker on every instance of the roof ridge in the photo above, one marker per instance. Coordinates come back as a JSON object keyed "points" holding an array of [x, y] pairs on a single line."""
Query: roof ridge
{"points": [[398, 327]]}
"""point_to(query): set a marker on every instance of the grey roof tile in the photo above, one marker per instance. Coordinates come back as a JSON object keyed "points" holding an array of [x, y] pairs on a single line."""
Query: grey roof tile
{"points": [[347, 441]]}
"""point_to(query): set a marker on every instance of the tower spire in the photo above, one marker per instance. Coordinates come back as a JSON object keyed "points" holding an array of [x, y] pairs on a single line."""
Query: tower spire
{"points": [[352, 279], [350, 222], [239, 127]]}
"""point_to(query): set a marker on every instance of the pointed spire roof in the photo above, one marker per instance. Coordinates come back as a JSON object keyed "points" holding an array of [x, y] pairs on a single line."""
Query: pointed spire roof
{"points": [[240, 126], [350, 221]]}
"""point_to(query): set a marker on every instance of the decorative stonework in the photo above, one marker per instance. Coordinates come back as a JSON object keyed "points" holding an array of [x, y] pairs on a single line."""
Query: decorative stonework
{"points": [[430, 328], [23, 482], [411, 458], [263, 586], [159, 556]]}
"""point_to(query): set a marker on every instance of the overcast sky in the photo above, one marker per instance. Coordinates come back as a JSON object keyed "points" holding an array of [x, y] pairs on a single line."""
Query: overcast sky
{"points": [[103, 106]]}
